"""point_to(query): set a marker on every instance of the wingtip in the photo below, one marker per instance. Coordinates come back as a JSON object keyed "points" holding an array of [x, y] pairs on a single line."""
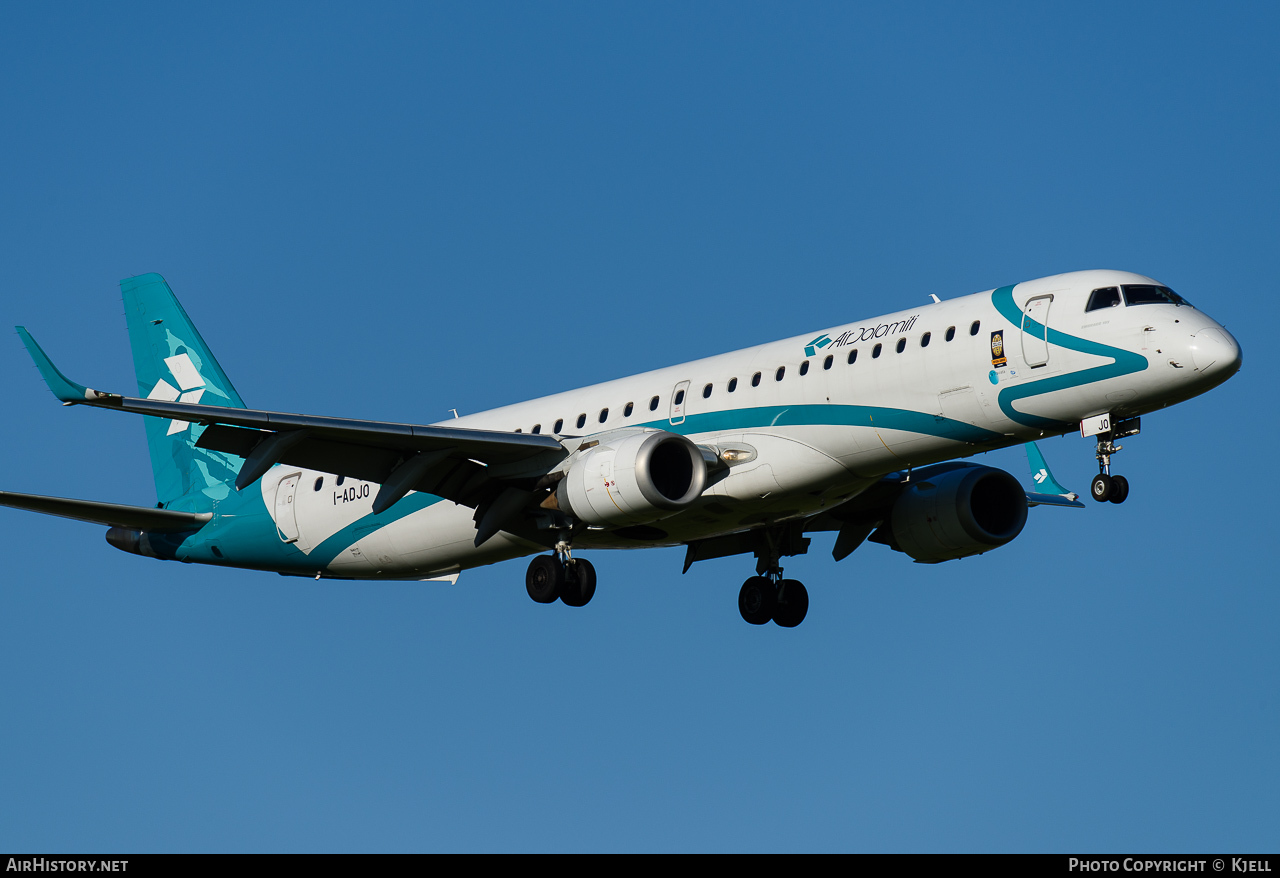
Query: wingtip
{"points": [[62, 387], [1041, 474]]}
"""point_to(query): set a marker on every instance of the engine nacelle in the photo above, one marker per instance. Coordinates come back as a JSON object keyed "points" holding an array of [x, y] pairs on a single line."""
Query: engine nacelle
{"points": [[964, 511], [637, 479]]}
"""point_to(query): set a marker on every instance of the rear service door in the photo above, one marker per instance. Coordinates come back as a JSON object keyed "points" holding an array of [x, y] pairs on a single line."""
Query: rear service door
{"points": [[286, 520]]}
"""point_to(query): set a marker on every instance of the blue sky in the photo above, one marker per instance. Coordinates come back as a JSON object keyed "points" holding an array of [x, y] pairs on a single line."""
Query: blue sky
{"points": [[395, 211]]}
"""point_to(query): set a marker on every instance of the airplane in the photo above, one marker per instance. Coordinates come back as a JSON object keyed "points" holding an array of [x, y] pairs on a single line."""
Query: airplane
{"points": [[859, 429]]}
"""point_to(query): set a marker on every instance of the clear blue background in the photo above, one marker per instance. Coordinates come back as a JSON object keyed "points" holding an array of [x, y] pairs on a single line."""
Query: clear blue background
{"points": [[389, 212]]}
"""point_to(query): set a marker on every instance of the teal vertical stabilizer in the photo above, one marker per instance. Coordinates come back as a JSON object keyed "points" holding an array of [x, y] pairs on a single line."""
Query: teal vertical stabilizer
{"points": [[173, 363]]}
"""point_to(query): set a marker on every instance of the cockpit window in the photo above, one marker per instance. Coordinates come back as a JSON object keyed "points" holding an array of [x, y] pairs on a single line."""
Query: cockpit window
{"points": [[1107, 297], [1150, 294]]}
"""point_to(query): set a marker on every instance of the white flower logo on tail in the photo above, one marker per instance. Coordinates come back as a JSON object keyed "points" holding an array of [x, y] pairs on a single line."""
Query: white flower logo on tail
{"points": [[187, 377]]}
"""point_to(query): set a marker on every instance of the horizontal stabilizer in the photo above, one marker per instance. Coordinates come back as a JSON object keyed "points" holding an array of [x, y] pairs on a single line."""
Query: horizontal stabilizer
{"points": [[114, 514]]}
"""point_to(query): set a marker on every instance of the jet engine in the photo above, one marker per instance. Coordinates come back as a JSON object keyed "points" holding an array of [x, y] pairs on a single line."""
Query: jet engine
{"points": [[963, 511], [636, 479]]}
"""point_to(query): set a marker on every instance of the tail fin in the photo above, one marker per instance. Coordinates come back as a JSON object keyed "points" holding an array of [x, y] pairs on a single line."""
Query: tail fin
{"points": [[172, 362]]}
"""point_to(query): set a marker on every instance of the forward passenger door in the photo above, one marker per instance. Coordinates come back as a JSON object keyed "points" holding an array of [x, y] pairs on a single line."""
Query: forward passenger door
{"points": [[1035, 331]]}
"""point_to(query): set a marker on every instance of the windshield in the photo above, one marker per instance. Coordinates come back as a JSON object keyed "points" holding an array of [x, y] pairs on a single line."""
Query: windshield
{"points": [[1106, 297], [1150, 294]]}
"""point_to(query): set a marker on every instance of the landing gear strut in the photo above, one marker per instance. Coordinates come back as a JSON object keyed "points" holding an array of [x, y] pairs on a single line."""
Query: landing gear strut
{"points": [[571, 580], [1106, 486], [764, 599], [767, 597]]}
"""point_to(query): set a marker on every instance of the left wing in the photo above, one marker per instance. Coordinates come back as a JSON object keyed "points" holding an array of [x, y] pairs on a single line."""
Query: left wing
{"points": [[477, 468], [114, 514]]}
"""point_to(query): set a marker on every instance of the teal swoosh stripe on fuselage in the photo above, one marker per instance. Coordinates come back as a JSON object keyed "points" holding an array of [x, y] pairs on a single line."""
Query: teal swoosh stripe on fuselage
{"points": [[335, 544], [876, 417], [1125, 363], [828, 416]]}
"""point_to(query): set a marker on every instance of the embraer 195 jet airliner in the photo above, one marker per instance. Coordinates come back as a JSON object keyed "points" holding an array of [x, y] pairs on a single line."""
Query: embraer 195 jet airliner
{"points": [[849, 430]]}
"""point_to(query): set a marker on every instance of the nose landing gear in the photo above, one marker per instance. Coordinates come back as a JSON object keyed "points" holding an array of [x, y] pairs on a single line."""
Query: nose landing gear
{"points": [[1105, 486], [1108, 487]]}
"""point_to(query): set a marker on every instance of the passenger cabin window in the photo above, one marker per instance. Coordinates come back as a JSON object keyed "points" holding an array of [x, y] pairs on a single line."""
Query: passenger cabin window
{"points": [[340, 480], [319, 483], [582, 420], [1150, 294], [1106, 297], [782, 370], [804, 368], [653, 404], [924, 340], [626, 412], [902, 345], [679, 397], [733, 384], [826, 364], [537, 428], [559, 425], [517, 429], [973, 330], [706, 392], [951, 333], [755, 380], [853, 355], [604, 415]]}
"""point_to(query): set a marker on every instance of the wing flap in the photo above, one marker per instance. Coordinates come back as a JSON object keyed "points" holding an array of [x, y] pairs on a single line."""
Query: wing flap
{"points": [[490, 446], [455, 476]]}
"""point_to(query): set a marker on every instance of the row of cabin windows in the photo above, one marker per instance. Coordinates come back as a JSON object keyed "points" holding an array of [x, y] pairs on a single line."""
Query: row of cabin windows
{"points": [[756, 378]]}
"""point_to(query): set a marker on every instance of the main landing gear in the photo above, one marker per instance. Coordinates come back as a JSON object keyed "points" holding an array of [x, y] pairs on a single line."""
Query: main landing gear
{"points": [[1106, 486], [765, 599], [561, 576]]}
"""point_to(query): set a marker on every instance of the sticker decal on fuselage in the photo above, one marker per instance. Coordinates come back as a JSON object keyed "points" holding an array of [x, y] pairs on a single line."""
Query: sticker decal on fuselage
{"points": [[997, 349]]}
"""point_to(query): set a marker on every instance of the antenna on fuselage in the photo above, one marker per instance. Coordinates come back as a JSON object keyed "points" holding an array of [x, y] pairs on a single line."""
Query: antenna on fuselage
{"points": [[936, 300], [455, 413]]}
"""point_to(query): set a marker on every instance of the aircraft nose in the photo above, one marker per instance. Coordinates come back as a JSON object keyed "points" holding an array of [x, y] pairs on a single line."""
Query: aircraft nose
{"points": [[1215, 351]]}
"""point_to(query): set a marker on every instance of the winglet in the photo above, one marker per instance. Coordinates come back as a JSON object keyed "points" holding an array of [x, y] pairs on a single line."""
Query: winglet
{"points": [[1053, 494], [63, 388]]}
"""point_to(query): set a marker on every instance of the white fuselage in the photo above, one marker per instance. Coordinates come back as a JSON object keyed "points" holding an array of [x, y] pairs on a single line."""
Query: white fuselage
{"points": [[819, 417]]}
